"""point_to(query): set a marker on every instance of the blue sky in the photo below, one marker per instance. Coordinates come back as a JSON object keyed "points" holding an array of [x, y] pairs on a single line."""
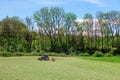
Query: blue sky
{"points": [[23, 8]]}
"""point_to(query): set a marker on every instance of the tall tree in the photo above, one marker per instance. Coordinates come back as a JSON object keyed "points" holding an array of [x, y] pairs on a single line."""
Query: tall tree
{"points": [[29, 23], [50, 22], [88, 22], [12, 31], [69, 24], [101, 20], [112, 17], [29, 34]]}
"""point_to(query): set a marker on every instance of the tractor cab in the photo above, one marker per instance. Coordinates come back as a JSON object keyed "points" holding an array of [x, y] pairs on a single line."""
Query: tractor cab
{"points": [[44, 57]]}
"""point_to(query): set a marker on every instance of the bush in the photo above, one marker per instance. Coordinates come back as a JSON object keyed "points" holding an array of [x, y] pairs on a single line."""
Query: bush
{"points": [[18, 54], [116, 52], [90, 50], [52, 54], [98, 54], [1, 54], [28, 54], [105, 50], [33, 54], [62, 55], [56, 54], [38, 50], [86, 54], [108, 54], [20, 48], [113, 49], [6, 54], [72, 54], [71, 51]]}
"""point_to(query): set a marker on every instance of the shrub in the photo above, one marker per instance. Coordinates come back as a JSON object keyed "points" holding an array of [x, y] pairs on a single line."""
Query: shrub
{"points": [[34, 54], [56, 54], [86, 54], [31, 54], [105, 50], [98, 54], [1, 54], [90, 50], [108, 54], [61, 54], [18, 54], [72, 54], [38, 50], [28, 54], [52, 54], [116, 51], [71, 51], [113, 49], [20, 48], [6, 54]]}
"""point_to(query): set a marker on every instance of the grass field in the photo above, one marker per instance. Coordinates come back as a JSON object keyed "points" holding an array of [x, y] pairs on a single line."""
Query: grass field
{"points": [[64, 68], [115, 59]]}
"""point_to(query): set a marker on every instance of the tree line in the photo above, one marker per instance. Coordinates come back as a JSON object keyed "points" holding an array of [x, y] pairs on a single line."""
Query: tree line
{"points": [[54, 30]]}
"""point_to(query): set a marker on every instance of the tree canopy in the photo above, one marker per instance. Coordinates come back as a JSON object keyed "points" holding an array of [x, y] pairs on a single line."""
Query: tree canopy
{"points": [[54, 30]]}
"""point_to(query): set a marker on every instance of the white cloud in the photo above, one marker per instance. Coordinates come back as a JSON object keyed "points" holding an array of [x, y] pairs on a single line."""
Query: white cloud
{"points": [[96, 2], [51, 2]]}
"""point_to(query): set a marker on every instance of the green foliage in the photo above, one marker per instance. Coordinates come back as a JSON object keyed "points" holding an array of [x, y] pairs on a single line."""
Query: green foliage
{"points": [[60, 32], [56, 54], [20, 48], [98, 54], [71, 50], [18, 54], [35, 54], [86, 54], [72, 54], [12, 34], [109, 54], [113, 51], [90, 50], [117, 50], [105, 50], [6, 54]]}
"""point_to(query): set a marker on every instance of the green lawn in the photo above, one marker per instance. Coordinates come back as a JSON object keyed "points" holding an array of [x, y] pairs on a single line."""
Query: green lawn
{"points": [[115, 59], [64, 68]]}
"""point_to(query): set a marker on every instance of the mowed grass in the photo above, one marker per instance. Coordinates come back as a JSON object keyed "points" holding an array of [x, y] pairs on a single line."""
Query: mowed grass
{"points": [[64, 68], [115, 59]]}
